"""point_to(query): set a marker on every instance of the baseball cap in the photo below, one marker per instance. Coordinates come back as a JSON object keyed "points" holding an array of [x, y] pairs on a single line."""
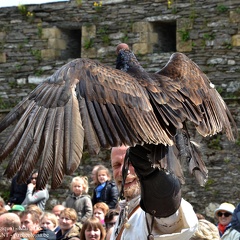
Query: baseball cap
{"points": [[17, 208]]}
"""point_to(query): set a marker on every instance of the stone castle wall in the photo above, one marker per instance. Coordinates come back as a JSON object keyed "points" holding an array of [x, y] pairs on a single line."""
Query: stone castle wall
{"points": [[35, 40]]}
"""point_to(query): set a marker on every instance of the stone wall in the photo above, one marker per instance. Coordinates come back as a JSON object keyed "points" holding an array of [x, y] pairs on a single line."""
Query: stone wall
{"points": [[35, 40]]}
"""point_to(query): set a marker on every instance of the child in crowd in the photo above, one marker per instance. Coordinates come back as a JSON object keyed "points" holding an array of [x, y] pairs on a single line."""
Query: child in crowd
{"points": [[106, 190], [49, 221], [100, 210], [79, 199]]}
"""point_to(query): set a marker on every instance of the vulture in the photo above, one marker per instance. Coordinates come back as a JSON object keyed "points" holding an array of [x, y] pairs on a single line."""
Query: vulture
{"points": [[88, 103]]}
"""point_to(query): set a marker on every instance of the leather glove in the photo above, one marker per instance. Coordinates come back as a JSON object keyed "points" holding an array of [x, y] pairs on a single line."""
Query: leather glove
{"points": [[160, 190]]}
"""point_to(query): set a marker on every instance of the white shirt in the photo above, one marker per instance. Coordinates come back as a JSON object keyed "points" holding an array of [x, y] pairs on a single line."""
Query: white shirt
{"points": [[179, 226]]}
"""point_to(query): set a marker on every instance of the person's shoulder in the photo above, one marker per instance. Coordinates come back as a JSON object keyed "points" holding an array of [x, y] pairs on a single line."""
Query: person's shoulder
{"points": [[111, 183], [44, 234], [86, 196]]}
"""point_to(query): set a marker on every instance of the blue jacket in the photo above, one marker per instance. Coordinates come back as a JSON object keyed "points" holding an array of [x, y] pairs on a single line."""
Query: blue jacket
{"points": [[109, 195]]}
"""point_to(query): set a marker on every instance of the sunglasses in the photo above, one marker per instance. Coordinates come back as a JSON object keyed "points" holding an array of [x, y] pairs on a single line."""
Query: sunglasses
{"points": [[226, 214], [33, 178]]}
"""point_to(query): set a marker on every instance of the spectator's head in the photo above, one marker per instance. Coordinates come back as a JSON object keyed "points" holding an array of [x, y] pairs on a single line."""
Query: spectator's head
{"points": [[224, 213], [111, 218], [103, 174], [92, 229], [35, 208], [57, 210], [9, 222], [23, 234], [49, 221], [30, 220], [94, 176], [34, 176], [100, 210], [68, 217], [206, 230], [79, 185], [17, 209]]}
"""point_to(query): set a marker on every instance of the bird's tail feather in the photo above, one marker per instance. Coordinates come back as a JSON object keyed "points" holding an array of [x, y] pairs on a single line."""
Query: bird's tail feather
{"points": [[189, 153]]}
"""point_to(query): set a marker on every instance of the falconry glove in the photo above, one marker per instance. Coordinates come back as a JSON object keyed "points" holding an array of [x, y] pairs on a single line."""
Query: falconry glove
{"points": [[160, 190]]}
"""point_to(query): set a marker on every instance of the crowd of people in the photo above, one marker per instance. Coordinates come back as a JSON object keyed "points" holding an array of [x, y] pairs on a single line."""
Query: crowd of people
{"points": [[151, 208]]}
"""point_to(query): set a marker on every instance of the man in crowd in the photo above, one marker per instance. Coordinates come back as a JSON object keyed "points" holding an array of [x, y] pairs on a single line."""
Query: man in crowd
{"points": [[9, 223], [30, 220], [57, 210], [153, 207]]}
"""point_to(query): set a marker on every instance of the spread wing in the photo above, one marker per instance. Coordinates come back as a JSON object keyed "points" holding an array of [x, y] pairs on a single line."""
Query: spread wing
{"points": [[179, 92], [83, 100], [187, 94]]}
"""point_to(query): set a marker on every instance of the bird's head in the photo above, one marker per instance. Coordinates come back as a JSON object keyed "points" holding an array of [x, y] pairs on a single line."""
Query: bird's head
{"points": [[126, 60]]}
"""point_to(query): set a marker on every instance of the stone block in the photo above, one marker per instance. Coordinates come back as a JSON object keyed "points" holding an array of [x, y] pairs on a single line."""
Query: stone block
{"points": [[89, 53], [236, 40], [153, 37], [184, 23], [142, 27], [2, 35], [148, 37], [54, 43], [184, 46], [234, 17], [51, 33], [3, 57], [89, 31], [143, 37], [49, 54], [142, 48]]}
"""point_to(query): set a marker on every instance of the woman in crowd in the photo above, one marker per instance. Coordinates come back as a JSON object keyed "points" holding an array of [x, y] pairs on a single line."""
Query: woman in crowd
{"points": [[33, 196], [92, 229], [68, 227], [224, 216]]}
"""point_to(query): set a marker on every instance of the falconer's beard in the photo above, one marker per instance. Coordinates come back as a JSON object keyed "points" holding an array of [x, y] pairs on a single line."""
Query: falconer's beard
{"points": [[131, 190]]}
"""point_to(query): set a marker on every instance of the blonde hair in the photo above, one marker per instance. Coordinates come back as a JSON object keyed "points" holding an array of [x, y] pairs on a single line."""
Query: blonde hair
{"points": [[82, 179], [106, 170], [92, 223], [70, 213], [35, 208], [52, 217]]}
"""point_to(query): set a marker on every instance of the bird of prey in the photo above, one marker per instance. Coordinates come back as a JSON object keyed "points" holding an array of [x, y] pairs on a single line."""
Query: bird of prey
{"points": [[87, 102]]}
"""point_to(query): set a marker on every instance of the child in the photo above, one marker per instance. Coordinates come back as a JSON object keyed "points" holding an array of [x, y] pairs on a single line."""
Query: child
{"points": [[79, 199], [106, 190], [100, 210]]}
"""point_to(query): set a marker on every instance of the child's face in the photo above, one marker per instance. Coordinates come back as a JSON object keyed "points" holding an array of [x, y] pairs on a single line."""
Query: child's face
{"points": [[77, 188], [102, 176], [47, 223], [98, 213]]}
